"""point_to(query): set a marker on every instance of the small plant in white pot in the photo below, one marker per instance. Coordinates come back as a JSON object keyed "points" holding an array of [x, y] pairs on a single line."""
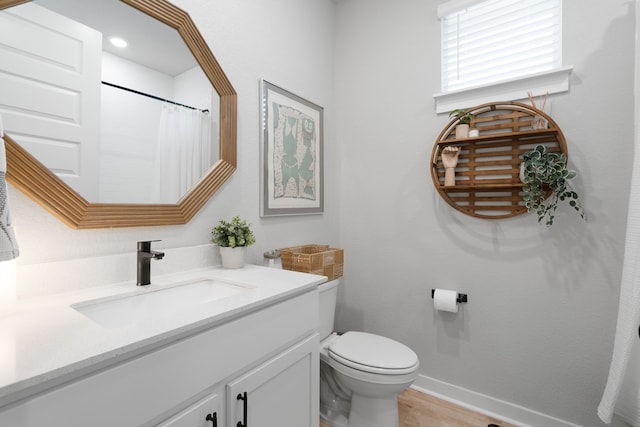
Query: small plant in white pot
{"points": [[464, 119], [233, 237]]}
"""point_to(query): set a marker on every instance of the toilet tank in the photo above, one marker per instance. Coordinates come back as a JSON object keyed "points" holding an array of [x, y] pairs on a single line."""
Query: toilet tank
{"points": [[328, 297]]}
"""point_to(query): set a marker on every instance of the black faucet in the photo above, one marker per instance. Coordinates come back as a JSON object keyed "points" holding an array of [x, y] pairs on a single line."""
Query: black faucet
{"points": [[144, 261]]}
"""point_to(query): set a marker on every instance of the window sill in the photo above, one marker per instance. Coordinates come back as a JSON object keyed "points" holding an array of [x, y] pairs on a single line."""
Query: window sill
{"points": [[556, 81]]}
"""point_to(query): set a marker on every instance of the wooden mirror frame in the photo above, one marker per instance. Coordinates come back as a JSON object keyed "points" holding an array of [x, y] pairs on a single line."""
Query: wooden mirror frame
{"points": [[41, 185]]}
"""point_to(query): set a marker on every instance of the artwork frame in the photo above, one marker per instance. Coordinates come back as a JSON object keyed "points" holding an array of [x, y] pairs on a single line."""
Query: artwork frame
{"points": [[291, 153]]}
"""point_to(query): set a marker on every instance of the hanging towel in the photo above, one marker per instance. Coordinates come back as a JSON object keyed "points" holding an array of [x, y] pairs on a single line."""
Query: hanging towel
{"points": [[8, 244], [628, 318]]}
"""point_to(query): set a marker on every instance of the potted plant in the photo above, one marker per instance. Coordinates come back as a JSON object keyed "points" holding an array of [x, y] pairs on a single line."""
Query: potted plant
{"points": [[544, 171], [233, 238], [464, 119]]}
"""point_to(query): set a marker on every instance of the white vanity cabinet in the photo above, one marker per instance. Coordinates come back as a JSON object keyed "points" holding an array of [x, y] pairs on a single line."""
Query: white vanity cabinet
{"points": [[280, 392], [277, 393], [271, 354], [205, 413]]}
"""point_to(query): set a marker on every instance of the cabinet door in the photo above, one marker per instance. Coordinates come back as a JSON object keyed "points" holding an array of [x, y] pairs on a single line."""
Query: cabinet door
{"points": [[282, 392], [205, 413]]}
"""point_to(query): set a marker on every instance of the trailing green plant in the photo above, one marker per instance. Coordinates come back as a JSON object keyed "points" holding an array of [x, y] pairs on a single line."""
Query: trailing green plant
{"points": [[543, 171], [464, 116], [231, 234]]}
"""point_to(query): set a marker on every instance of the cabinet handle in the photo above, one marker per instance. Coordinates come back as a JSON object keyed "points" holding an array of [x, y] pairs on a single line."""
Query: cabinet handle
{"points": [[243, 397], [213, 417]]}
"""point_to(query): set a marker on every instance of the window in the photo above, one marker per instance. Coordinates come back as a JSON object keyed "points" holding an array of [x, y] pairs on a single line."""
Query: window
{"points": [[495, 41]]}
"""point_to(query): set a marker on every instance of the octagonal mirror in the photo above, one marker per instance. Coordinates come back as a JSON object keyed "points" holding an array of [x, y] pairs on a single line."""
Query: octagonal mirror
{"points": [[105, 136]]}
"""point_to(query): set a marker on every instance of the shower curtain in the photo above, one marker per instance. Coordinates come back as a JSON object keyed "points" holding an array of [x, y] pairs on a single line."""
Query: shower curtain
{"points": [[184, 151], [622, 392]]}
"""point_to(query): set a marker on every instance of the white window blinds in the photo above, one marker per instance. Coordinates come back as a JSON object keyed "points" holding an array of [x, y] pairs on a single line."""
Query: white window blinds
{"points": [[496, 40]]}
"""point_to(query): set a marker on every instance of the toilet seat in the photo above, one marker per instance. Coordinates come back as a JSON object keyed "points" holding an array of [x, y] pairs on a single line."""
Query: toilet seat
{"points": [[373, 353]]}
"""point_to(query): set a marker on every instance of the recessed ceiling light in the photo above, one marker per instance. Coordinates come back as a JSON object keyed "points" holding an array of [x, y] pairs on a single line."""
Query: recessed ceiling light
{"points": [[117, 41]]}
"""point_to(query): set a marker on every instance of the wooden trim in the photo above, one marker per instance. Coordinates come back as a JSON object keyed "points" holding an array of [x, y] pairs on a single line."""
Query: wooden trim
{"points": [[36, 181]]}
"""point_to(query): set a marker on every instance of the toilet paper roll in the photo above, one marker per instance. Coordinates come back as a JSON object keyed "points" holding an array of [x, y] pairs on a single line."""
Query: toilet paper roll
{"points": [[445, 300]]}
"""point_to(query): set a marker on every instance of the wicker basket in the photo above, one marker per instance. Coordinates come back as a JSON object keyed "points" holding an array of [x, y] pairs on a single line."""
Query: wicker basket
{"points": [[316, 259]]}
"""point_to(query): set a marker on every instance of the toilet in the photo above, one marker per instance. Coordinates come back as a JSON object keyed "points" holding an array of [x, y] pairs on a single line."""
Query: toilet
{"points": [[361, 374]]}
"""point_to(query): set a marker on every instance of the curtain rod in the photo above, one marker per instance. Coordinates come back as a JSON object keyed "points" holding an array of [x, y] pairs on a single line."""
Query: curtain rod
{"points": [[152, 96]]}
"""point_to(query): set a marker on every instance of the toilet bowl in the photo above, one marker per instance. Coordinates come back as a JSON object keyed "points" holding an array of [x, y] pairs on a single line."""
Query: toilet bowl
{"points": [[361, 373]]}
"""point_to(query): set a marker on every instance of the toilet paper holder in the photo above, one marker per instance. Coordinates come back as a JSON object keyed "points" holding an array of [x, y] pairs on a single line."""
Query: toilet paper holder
{"points": [[461, 297]]}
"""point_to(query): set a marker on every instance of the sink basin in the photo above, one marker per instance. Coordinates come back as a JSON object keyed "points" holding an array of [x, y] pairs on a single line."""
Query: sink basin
{"points": [[148, 307]]}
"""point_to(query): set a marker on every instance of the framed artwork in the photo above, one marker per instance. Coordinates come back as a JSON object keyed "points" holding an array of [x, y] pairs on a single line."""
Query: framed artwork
{"points": [[291, 169]]}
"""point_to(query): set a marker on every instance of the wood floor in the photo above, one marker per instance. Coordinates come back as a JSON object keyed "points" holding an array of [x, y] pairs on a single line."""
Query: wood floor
{"points": [[422, 410]]}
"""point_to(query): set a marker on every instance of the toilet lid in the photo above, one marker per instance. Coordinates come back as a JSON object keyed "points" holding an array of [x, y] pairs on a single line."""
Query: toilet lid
{"points": [[380, 354]]}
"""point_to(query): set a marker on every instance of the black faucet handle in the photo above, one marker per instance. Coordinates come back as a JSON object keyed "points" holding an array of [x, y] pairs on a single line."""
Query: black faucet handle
{"points": [[145, 245]]}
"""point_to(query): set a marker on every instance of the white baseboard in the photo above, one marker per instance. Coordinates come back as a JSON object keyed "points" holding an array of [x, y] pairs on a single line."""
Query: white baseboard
{"points": [[487, 405]]}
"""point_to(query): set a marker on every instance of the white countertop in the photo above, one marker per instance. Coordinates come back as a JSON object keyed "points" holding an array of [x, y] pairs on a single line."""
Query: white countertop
{"points": [[46, 342]]}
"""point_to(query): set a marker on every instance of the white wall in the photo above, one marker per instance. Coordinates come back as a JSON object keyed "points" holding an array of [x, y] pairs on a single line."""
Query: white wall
{"points": [[130, 124], [129, 131], [288, 42], [193, 88], [538, 329]]}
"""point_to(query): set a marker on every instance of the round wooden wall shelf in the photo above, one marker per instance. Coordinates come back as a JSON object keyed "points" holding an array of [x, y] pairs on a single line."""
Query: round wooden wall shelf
{"points": [[487, 182]]}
